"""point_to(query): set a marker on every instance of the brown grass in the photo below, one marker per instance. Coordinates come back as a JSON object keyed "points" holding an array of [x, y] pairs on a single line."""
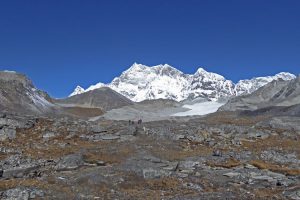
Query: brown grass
{"points": [[231, 163], [226, 117], [173, 154], [138, 188], [92, 156], [275, 168], [265, 193], [272, 142], [3, 156], [32, 144]]}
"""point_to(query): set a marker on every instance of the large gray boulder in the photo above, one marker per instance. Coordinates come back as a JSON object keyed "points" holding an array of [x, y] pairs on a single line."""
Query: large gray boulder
{"points": [[7, 133], [70, 162]]}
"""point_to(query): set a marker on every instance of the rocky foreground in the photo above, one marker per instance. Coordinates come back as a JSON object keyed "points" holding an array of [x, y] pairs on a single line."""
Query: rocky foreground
{"points": [[221, 156]]}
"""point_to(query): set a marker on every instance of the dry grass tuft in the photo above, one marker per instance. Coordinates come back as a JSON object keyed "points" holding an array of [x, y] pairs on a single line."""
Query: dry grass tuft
{"points": [[275, 168], [231, 163]]}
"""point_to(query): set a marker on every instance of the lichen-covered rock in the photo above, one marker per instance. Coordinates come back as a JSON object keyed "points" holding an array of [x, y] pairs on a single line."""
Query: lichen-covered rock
{"points": [[21, 193], [7, 133], [70, 162]]}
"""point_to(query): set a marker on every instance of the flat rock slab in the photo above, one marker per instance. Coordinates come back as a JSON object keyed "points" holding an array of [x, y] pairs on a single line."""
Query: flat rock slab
{"points": [[231, 174], [19, 172], [110, 137]]}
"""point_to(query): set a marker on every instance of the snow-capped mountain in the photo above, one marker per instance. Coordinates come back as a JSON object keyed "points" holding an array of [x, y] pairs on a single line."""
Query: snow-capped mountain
{"points": [[249, 86], [141, 82], [78, 90], [209, 85]]}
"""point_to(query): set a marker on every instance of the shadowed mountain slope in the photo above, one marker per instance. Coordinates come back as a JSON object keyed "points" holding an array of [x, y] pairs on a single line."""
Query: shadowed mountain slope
{"points": [[276, 93], [104, 98]]}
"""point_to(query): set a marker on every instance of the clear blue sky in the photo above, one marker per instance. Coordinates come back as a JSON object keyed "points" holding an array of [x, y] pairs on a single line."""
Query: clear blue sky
{"points": [[62, 43]]}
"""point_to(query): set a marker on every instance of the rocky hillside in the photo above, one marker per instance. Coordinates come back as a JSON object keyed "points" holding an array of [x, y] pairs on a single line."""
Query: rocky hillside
{"points": [[18, 94], [276, 93], [222, 156]]}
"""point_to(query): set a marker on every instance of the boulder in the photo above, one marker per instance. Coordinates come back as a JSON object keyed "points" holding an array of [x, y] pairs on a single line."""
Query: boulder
{"points": [[232, 174], [7, 133], [48, 135], [151, 173], [20, 172], [16, 194], [70, 162]]}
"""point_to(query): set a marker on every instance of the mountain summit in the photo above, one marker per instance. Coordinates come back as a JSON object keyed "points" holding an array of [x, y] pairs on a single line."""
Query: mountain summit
{"points": [[141, 82]]}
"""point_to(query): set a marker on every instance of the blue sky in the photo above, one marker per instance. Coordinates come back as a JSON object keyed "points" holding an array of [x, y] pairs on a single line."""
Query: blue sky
{"points": [[62, 43]]}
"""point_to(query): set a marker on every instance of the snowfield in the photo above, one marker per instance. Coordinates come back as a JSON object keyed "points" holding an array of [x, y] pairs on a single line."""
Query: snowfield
{"points": [[200, 108]]}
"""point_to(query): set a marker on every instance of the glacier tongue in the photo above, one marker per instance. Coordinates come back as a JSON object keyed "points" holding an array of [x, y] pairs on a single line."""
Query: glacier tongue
{"points": [[141, 82]]}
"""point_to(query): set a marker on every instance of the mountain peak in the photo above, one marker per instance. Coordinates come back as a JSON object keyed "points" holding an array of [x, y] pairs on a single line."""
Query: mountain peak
{"points": [[78, 90], [200, 70], [285, 76], [136, 66], [162, 66]]}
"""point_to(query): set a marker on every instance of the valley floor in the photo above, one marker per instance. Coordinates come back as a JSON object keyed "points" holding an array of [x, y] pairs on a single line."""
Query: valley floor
{"points": [[220, 156]]}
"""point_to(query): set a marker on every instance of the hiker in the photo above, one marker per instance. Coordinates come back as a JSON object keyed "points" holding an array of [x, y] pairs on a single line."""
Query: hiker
{"points": [[139, 121], [129, 122], [136, 131]]}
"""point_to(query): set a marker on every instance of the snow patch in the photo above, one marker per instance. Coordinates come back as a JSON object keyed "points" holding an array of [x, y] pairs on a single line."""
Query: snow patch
{"points": [[9, 71], [200, 108]]}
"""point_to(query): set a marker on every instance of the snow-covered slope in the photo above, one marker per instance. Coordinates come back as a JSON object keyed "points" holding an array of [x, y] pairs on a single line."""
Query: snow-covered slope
{"points": [[202, 108], [141, 82], [249, 86], [209, 85]]}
